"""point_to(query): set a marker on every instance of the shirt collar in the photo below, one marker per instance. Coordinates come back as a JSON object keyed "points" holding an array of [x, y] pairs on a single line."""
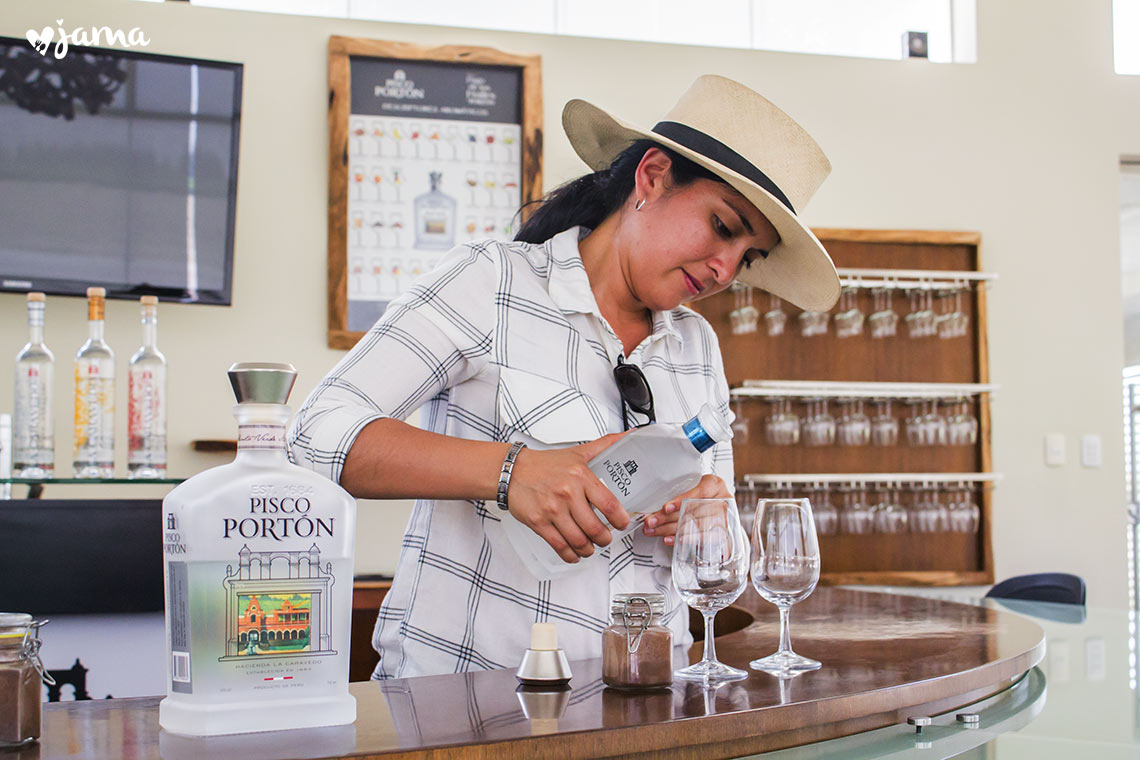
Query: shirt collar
{"points": [[570, 286]]}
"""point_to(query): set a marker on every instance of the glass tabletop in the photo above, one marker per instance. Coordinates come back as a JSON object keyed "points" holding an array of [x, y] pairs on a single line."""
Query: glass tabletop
{"points": [[1088, 704]]}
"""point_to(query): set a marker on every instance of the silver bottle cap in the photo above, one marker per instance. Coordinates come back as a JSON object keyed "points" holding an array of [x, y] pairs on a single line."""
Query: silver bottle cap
{"points": [[262, 382]]}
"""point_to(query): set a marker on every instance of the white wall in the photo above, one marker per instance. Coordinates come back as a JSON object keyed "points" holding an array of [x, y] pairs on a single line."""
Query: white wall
{"points": [[1022, 146]]}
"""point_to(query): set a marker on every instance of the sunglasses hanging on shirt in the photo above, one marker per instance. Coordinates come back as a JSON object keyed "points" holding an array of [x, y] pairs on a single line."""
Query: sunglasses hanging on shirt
{"points": [[635, 393]]}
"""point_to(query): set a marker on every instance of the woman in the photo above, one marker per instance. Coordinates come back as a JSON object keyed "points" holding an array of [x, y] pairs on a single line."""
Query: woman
{"points": [[510, 348]]}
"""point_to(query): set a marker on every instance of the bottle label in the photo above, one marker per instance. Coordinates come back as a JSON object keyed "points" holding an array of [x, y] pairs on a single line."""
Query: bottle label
{"points": [[94, 410], [619, 475], [266, 437], [259, 623], [146, 416], [178, 614]]}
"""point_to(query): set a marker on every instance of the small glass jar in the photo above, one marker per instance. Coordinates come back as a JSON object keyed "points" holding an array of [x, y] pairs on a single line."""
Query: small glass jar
{"points": [[21, 676], [637, 651]]}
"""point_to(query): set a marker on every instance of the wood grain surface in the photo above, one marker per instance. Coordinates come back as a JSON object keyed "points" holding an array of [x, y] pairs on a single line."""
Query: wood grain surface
{"points": [[885, 657]]}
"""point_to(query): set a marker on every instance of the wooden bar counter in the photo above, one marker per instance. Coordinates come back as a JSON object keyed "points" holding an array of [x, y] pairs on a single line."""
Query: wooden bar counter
{"points": [[885, 658]]}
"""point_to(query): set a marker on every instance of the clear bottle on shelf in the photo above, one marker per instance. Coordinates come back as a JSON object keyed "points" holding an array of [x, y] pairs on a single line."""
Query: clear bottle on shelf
{"points": [[33, 436], [146, 404], [259, 561], [95, 397], [644, 469]]}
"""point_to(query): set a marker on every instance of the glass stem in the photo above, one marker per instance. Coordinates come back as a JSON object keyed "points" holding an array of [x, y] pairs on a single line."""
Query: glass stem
{"points": [[710, 645], [785, 632]]}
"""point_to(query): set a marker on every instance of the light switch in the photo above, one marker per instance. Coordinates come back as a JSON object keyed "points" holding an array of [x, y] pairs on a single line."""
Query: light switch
{"points": [[1054, 449], [1096, 656], [1091, 454], [1059, 660]]}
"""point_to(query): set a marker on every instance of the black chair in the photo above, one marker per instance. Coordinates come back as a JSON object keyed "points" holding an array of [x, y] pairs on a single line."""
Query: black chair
{"points": [[1060, 588]]}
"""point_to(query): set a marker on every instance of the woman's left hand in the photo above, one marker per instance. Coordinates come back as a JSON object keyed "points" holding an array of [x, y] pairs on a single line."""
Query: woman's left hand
{"points": [[663, 522]]}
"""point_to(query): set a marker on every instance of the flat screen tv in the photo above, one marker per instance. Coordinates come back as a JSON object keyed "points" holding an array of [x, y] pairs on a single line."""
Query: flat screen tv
{"points": [[117, 169]]}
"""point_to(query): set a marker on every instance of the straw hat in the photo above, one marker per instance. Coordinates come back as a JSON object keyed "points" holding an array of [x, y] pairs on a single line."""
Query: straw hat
{"points": [[756, 148]]}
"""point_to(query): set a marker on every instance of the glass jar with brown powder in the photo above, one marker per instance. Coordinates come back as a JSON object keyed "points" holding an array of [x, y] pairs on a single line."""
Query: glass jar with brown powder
{"points": [[637, 650], [21, 676]]}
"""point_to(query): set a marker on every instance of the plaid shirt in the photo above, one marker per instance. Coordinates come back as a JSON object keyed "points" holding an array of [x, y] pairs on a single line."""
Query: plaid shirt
{"points": [[504, 342]]}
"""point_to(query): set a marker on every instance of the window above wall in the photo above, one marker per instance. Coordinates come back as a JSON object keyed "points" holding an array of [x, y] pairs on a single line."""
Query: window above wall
{"points": [[865, 29], [1125, 32]]}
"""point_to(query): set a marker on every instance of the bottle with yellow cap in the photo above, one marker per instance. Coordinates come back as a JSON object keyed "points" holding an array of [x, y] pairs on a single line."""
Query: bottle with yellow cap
{"points": [[146, 401], [33, 439], [95, 397]]}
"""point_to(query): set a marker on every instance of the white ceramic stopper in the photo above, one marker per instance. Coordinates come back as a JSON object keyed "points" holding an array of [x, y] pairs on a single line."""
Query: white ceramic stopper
{"points": [[544, 636]]}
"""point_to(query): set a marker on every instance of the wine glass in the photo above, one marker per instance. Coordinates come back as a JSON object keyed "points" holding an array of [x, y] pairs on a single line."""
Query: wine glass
{"points": [[710, 569], [785, 570]]}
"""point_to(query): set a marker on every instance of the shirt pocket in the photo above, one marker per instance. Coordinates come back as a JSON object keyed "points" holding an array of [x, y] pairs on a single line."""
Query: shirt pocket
{"points": [[546, 413]]}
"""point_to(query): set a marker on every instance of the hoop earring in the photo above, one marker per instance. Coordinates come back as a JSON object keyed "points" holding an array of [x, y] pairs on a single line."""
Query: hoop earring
{"points": [[637, 206]]}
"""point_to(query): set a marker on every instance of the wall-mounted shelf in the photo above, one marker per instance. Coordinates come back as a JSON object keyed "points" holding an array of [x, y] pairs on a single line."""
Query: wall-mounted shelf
{"points": [[912, 279], [873, 478], [835, 389]]}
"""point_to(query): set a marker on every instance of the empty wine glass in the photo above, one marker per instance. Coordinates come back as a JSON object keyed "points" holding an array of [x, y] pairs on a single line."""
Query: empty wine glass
{"points": [[813, 323], [857, 517], [890, 517], [775, 318], [954, 324], [884, 425], [961, 426], [854, 427], [739, 423], [849, 319], [819, 425], [783, 425], [785, 570], [883, 320], [826, 516], [744, 316], [920, 320], [710, 570], [963, 512]]}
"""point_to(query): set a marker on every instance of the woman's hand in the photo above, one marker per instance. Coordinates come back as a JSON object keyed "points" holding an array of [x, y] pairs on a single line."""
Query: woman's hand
{"points": [[663, 522], [552, 491]]}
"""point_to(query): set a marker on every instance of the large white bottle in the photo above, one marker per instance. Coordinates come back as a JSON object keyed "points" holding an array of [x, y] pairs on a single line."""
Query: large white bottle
{"points": [[258, 557], [644, 470]]}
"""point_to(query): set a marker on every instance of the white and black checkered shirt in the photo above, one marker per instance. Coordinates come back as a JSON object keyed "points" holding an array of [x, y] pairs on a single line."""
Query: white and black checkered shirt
{"points": [[505, 342]]}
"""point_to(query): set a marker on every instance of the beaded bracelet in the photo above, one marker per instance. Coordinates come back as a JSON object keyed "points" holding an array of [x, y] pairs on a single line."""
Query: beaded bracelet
{"points": [[505, 475]]}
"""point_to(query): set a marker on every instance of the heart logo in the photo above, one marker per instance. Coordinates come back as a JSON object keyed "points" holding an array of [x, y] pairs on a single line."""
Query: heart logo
{"points": [[40, 41]]}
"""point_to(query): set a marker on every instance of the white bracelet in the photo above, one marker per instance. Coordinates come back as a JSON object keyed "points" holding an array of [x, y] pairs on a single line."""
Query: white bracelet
{"points": [[505, 475]]}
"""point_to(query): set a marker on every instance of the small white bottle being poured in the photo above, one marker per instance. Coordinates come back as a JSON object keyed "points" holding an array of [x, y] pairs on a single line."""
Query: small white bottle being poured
{"points": [[644, 470]]}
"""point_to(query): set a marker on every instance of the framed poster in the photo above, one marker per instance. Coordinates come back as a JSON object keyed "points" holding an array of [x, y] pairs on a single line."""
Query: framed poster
{"points": [[429, 147]]}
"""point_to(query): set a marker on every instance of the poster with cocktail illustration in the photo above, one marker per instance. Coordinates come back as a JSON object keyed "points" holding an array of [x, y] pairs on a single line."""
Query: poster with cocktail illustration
{"points": [[430, 148]]}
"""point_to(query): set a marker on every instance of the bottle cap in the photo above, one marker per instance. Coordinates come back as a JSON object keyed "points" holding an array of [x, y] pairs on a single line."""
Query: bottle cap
{"points": [[36, 297], [262, 382], [96, 292], [149, 300], [544, 636], [706, 429]]}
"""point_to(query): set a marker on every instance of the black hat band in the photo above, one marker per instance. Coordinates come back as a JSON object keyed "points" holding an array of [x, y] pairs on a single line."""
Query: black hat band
{"points": [[714, 149]]}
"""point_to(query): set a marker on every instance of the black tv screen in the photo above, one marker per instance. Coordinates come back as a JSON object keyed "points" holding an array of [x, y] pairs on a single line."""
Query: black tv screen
{"points": [[117, 169]]}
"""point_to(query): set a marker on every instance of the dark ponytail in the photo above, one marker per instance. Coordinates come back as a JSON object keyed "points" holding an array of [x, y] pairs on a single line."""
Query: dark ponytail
{"points": [[590, 199]]}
